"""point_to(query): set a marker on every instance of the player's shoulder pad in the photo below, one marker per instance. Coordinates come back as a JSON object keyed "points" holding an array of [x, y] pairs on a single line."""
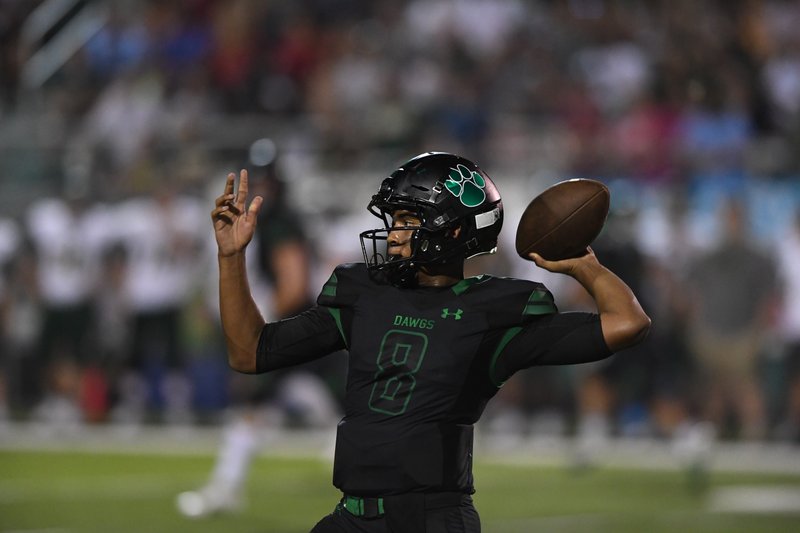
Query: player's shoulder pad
{"points": [[512, 301], [344, 286]]}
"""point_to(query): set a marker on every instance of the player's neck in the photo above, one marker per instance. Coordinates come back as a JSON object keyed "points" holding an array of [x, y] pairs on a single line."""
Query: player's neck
{"points": [[440, 276]]}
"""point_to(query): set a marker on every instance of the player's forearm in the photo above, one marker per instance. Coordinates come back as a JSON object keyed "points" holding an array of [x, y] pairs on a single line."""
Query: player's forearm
{"points": [[241, 320], [622, 318]]}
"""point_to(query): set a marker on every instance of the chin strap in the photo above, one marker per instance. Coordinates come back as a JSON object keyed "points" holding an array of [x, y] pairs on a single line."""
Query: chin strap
{"points": [[402, 274]]}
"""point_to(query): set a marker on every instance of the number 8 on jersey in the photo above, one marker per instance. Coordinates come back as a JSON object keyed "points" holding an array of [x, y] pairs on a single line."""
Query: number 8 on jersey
{"points": [[399, 358]]}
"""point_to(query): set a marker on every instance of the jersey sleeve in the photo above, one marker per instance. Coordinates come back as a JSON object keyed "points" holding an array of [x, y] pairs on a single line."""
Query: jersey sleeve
{"points": [[344, 286], [300, 339], [340, 293], [509, 303], [551, 339]]}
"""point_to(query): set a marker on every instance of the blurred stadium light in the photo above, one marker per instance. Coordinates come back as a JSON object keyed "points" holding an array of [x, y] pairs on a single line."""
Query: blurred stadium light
{"points": [[77, 22]]}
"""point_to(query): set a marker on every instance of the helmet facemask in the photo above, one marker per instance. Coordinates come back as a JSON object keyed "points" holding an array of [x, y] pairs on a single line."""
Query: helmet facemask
{"points": [[429, 245]]}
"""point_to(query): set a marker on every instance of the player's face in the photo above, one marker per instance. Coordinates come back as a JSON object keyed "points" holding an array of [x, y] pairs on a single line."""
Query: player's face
{"points": [[403, 225]]}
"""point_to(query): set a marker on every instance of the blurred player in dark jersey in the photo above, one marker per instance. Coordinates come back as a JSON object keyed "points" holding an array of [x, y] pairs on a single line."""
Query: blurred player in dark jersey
{"points": [[298, 397], [427, 347]]}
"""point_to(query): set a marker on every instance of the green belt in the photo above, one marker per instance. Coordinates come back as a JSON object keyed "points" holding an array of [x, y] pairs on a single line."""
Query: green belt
{"points": [[368, 507], [363, 507]]}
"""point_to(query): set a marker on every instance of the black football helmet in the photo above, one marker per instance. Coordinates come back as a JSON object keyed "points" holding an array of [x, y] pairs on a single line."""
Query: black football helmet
{"points": [[445, 192]]}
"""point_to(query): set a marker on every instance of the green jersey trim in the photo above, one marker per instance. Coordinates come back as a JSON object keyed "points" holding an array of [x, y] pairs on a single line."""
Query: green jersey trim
{"points": [[337, 316], [509, 334], [540, 302], [463, 286], [329, 289]]}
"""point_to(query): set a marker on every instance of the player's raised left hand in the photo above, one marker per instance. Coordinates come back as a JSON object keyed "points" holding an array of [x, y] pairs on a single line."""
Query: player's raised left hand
{"points": [[234, 221]]}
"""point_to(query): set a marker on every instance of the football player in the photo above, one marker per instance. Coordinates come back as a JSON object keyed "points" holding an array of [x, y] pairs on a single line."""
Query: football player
{"points": [[427, 347]]}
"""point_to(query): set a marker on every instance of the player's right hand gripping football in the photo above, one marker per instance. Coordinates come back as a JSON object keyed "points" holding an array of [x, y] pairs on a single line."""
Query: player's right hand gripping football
{"points": [[234, 222]]}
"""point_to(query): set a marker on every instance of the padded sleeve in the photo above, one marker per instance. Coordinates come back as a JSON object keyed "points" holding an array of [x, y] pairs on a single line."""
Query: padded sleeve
{"points": [[300, 339], [343, 287], [552, 339], [510, 302]]}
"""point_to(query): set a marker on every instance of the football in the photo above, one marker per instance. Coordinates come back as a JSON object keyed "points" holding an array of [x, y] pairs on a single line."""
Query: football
{"points": [[563, 220]]}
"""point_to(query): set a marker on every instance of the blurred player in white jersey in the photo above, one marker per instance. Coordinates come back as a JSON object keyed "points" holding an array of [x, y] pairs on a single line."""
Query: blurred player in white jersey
{"points": [[68, 235], [162, 241]]}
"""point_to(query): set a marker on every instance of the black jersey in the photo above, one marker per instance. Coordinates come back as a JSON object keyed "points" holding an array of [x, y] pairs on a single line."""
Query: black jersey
{"points": [[422, 365]]}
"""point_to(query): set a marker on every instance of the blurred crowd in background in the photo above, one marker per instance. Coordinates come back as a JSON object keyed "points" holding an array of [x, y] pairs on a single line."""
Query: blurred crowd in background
{"points": [[120, 119]]}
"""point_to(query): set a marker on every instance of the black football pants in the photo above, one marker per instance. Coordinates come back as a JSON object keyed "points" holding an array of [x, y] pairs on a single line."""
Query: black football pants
{"points": [[461, 518]]}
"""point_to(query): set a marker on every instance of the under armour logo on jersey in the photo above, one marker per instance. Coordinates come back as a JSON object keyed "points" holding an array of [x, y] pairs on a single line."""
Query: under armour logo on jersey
{"points": [[457, 314]]}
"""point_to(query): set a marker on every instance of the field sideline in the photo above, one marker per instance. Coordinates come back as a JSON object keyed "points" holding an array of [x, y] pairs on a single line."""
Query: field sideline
{"points": [[107, 479]]}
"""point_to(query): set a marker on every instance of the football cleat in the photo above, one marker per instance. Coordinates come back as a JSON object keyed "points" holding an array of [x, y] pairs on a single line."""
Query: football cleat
{"points": [[209, 500]]}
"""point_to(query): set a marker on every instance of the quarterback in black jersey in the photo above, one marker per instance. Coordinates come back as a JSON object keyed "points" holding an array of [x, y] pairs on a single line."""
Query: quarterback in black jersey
{"points": [[427, 347]]}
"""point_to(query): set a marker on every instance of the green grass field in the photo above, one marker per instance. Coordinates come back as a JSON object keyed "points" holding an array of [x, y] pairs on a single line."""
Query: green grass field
{"points": [[57, 492]]}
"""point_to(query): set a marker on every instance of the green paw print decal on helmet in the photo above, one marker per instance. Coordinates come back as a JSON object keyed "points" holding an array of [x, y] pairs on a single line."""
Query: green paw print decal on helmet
{"points": [[466, 185]]}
